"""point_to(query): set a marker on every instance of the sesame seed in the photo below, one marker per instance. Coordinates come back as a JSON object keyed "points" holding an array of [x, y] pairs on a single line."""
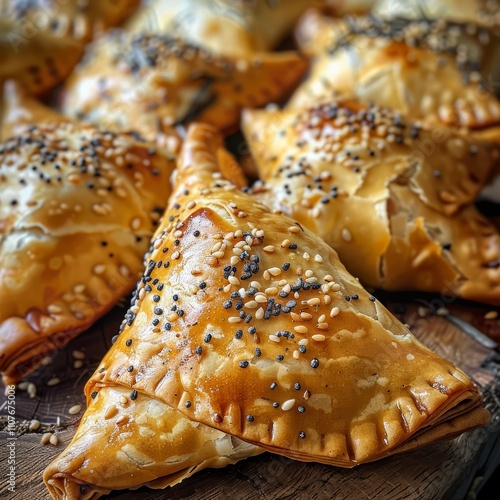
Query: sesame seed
{"points": [[234, 319], [274, 338], [491, 315], [74, 410], [34, 425], [314, 302], [346, 235], [191, 205], [318, 337], [99, 268], [53, 381], [259, 314], [300, 329], [334, 312], [294, 229], [410, 357], [269, 249], [288, 405], [318, 258], [54, 440], [274, 271], [176, 255]]}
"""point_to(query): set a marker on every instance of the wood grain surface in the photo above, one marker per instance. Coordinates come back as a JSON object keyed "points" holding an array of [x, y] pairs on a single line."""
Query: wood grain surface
{"points": [[444, 470]]}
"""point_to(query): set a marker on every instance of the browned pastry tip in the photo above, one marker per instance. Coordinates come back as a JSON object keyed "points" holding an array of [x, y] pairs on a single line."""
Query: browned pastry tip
{"points": [[78, 208], [393, 197]]}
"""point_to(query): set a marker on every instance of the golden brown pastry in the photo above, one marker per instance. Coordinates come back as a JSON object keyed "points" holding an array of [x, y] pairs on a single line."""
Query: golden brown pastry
{"points": [[341, 8], [246, 323], [225, 27], [436, 72], [148, 83], [394, 200], [481, 12], [78, 208], [80, 19], [39, 60]]}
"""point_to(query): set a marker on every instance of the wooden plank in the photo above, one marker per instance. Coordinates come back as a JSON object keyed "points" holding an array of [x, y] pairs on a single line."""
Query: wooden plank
{"points": [[442, 470]]}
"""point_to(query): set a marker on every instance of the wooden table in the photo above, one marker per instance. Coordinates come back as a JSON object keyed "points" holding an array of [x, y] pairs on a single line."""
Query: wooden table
{"points": [[444, 470]]}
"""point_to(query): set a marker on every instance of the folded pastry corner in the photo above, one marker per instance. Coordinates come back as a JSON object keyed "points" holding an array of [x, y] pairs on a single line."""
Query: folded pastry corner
{"points": [[79, 207], [148, 79], [246, 324], [125, 443], [38, 62], [439, 73], [68, 18], [393, 198]]}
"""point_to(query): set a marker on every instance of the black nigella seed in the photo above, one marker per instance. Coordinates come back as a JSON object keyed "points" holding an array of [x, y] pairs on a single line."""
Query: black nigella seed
{"points": [[315, 362], [354, 297], [372, 298], [252, 330], [156, 298], [128, 343], [347, 298], [227, 304], [273, 386], [302, 434], [180, 313], [238, 334], [188, 404], [301, 409], [248, 319], [133, 396], [159, 287], [168, 327], [243, 364], [155, 322], [239, 305], [302, 349], [199, 350], [202, 285], [296, 386], [130, 368], [158, 310], [292, 246], [276, 404], [196, 233], [286, 266], [175, 297], [235, 295], [93, 395], [446, 246], [258, 352], [207, 338], [280, 357], [250, 418], [473, 150]]}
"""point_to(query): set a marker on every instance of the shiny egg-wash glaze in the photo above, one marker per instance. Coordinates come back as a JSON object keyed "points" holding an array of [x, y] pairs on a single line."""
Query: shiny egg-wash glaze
{"points": [[247, 323], [79, 205]]}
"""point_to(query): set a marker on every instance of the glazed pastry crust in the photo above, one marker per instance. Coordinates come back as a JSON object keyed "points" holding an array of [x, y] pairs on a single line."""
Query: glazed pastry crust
{"points": [[480, 12], [393, 199], [38, 60], [227, 27], [358, 59], [147, 443], [78, 208], [215, 339], [122, 86], [73, 18]]}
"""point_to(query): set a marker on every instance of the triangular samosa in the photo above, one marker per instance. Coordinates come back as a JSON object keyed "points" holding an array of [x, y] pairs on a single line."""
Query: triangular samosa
{"points": [[395, 200], [79, 206], [246, 323]]}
